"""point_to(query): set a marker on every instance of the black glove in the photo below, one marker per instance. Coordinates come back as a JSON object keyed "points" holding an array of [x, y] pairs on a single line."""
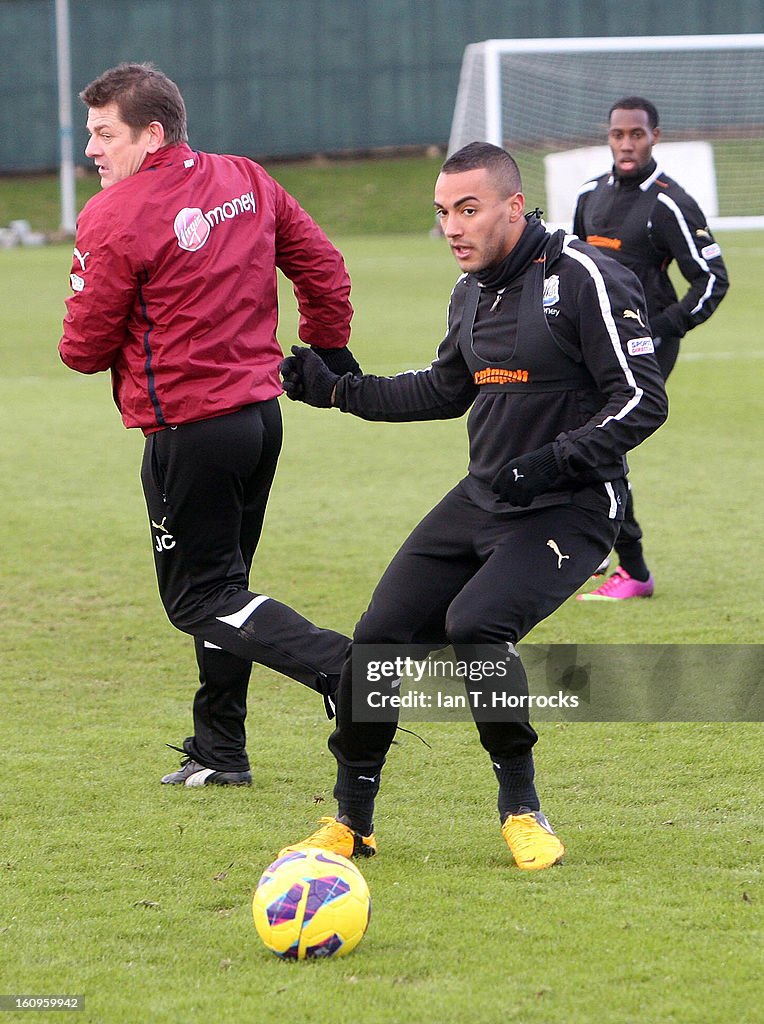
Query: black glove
{"points": [[339, 360], [527, 476], [307, 378], [662, 327]]}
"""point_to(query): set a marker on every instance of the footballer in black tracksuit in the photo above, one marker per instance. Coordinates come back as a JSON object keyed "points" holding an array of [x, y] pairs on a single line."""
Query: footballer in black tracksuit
{"points": [[549, 351], [645, 222]]}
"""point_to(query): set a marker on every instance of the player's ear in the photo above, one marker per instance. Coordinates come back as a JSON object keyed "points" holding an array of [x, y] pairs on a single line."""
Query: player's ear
{"points": [[656, 134], [516, 206], [156, 136]]}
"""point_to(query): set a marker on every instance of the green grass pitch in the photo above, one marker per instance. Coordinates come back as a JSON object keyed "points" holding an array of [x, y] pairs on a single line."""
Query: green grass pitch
{"points": [[138, 896]]}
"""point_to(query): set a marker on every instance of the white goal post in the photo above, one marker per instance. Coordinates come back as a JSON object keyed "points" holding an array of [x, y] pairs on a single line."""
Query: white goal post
{"points": [[547, 102]]}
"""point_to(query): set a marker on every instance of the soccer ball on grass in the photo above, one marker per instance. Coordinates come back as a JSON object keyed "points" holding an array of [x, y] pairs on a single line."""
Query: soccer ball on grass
{"points": [[311, 903]]}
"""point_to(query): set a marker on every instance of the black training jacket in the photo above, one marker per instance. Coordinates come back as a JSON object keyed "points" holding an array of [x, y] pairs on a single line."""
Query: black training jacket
{"points": [[646, 223], [561, 354]]}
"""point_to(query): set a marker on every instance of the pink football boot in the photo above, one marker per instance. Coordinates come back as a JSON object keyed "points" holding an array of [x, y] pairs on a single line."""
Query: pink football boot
{"points": [[620, 587]]}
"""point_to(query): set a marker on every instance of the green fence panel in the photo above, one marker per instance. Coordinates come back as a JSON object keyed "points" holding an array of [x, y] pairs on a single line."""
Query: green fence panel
{"points": [[269, 78]]}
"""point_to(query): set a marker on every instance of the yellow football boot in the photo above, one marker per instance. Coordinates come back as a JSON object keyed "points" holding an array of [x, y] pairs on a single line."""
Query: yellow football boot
{"points": [[338, 837], [532, 841]]}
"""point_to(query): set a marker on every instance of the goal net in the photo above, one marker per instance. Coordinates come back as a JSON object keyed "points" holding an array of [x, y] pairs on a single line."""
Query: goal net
{"points": [[547, 102]]}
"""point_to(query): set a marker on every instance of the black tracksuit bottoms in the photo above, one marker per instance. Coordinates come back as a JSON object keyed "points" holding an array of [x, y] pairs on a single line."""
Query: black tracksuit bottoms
{"points": [[468, 576], [206, 486]]}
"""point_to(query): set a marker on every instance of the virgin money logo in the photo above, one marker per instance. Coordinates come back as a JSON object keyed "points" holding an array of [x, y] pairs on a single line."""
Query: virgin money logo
{"points": [[191, 229]]}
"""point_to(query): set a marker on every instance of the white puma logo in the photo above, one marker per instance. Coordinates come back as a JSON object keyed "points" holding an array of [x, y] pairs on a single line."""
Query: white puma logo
{"points": [[560, 557], [367, 778], [80, 257], [160, 526], [629, 314], [518, 476]]}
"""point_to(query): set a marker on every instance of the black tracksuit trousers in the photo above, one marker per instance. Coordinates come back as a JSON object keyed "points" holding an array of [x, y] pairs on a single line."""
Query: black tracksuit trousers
{"points": [[206, 486], [468, 576]]}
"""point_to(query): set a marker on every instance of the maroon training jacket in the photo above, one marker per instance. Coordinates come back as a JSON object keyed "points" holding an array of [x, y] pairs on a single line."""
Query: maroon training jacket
{"points": [[174, 287]]}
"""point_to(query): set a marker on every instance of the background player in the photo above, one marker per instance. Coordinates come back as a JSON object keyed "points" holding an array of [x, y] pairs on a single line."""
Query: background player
{"points": [[645, 220]]}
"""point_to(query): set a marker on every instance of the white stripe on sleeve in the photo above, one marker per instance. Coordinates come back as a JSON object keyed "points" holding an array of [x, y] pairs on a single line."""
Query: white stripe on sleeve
{"points": [[607, 315], [692, 248]]}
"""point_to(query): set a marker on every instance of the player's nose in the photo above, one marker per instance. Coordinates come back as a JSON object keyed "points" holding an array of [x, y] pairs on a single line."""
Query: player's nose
{"points": [[451, 227]]}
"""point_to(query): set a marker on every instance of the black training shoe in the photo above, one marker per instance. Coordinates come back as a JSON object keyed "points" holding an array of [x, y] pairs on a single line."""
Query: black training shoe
{"points": [[191, 773]]}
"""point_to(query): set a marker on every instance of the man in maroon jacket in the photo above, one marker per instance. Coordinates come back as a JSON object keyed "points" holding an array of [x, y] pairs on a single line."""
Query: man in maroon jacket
{"points": [[174, 291]]}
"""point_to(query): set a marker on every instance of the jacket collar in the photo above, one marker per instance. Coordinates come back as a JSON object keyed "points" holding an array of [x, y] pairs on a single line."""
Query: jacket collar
{"points": [[637, 180], [528, 247], [175, 153]]}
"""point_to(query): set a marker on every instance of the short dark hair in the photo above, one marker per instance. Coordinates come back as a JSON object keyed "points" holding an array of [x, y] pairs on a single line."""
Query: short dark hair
{"points": [[142, 94], [502, 167], [637, 103]]}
